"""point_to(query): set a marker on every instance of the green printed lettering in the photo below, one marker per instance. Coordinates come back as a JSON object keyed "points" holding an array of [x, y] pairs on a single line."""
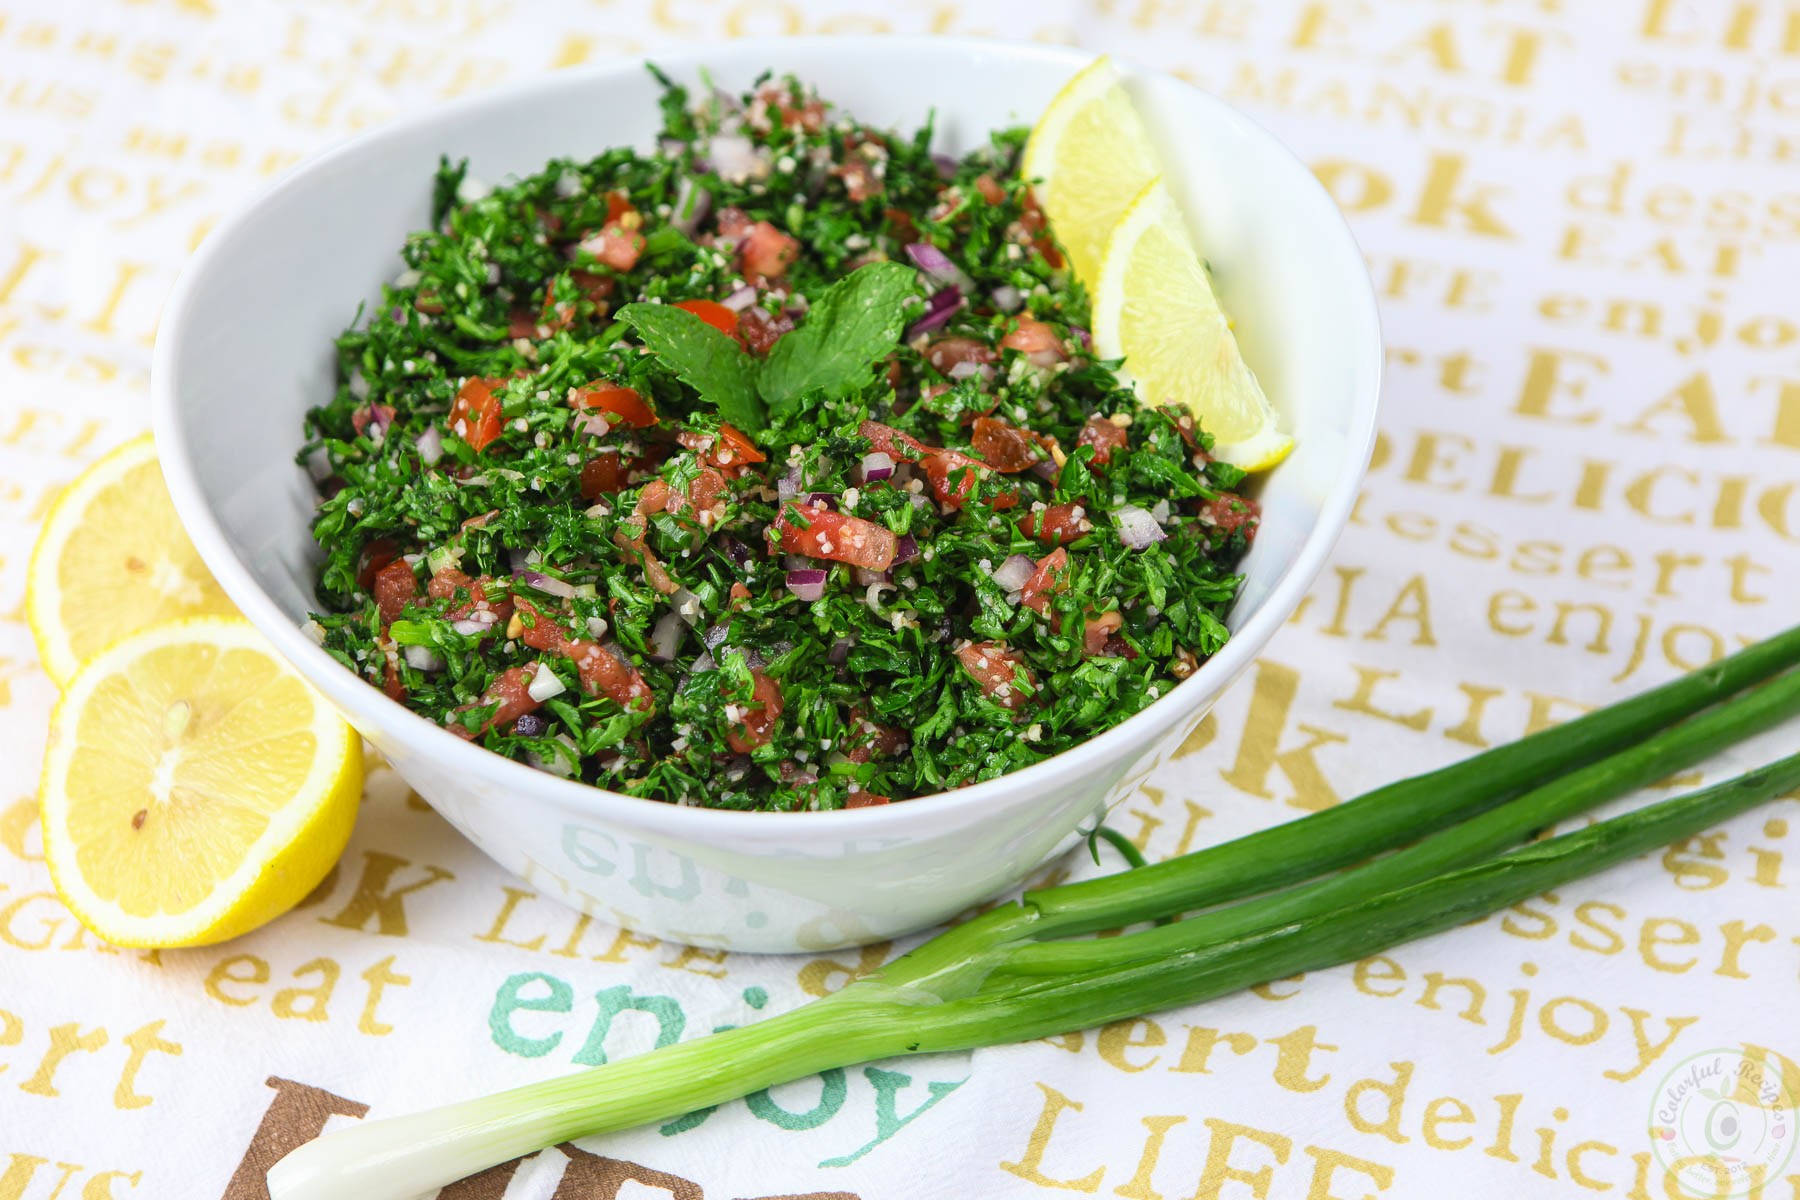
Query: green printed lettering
{"points": [[511, 999], [670, 1021]]}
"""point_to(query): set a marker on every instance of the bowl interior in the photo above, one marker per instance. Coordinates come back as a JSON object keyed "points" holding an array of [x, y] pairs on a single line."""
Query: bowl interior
{"points": [[247, 339]]}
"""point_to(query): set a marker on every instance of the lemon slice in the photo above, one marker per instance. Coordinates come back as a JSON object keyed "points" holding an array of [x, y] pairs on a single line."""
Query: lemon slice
{"points": [[1093, 155], [112, 558], [1154, 307], [194, 786]]}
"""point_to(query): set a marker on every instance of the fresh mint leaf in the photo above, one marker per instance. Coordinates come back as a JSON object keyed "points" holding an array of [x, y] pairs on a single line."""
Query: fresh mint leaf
{"points": [[848, 330], [703, 358]]}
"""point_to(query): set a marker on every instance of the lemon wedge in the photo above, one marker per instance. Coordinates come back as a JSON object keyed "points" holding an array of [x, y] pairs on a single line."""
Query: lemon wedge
{"points": [[1154, 307], [194, 786], [112, 558], [1093, 155]]}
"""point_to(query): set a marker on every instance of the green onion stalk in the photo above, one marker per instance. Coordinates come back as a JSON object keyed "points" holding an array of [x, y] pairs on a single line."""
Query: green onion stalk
{"points": [[1021, 971]]}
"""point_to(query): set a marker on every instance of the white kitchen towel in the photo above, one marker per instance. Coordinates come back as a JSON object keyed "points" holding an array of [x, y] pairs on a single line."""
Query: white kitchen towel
{"points": [[1581, 220]]}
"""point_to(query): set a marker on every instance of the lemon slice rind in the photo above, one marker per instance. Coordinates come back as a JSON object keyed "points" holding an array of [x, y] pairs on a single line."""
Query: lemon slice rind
{"points": [[291, 771]]}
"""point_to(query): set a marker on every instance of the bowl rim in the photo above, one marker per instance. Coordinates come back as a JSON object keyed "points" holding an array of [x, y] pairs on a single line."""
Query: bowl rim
{"points": [[679, 820]]}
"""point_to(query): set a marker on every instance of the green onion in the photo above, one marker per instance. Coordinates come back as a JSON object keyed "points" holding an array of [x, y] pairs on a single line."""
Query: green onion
{"points": [[994, 980], [1400, 812], [1459, 845]]}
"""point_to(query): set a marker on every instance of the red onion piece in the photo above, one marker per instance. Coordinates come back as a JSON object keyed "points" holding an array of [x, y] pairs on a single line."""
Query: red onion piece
{"points": [[476, 623], [430, 445], [937, 266], [840, 650], [547, 584], [1083, 336], [905, 549], [735, 158], [687, 605], [938, 311], [945, 164], [1015, 572], [1007, 298], [1137, 528], [876, 466], [1047, 470], [692, 204], [808, 583], [741, 299], [822, 499], [423, 658], [594, 424], [665, 637], [373, 420]]}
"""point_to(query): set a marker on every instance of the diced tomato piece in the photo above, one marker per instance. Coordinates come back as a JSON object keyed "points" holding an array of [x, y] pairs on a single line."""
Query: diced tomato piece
{"points": [[713, 313], [953, 475], [654, 498], [732, 222], [808, 115], [451, 583], [511, 691], [1036, 340], [475, 417], [760, 329], [368, 414], [605, 671], [990, 189], [735, 449], [706, 496], [890, 441], [945, 354], [540, 631], [620, 242], [1099, 630], [597, 288], [836, 536], [376, 555], [622, 405], [1046, 581], [739, 595], [872, 739], [860, 180], [390, 680], [731, 450], [1037, 225], [903, 225], [395, 587], [1232, 513], [654, 572], [522, 323], [1056, 524], [1103, 436], [997, 670], [865, 800], [766, 252], [755, 723], [1007, 448], [602, 474]]}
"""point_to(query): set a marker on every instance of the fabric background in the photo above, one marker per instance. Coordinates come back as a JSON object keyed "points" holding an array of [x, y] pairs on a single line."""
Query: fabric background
{"points": [[1582, 221]]}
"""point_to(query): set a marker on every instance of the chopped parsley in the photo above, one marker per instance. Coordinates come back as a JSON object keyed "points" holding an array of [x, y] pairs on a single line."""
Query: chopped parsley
{"points": [[770, 470]]}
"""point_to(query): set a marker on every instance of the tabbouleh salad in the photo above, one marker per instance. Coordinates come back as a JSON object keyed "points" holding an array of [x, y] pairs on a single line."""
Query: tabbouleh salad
{"points": [[768, 470]]}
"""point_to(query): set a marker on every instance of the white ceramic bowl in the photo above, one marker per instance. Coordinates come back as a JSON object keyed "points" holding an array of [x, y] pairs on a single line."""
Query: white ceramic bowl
{"points": [[245, 349]]}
